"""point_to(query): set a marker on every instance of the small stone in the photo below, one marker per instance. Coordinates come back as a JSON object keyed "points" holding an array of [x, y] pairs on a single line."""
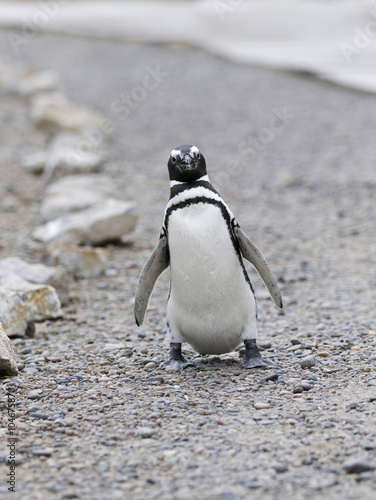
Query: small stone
{"points": [[150, 366], [369, 445], [25, 350], [308, 361], [296, 341], [261, 406], [265, 345], [38, 415], [292, 381], [55, 359], [102, 285], [147, 361], [111, 272], [35, 394], [280, 468], [322, 354], [266, 422], [158, 380], [306, 386], [43, 452], [294, 348], [292, 421], [146, 432], [297, 389], [358, 464], [272, 377]]}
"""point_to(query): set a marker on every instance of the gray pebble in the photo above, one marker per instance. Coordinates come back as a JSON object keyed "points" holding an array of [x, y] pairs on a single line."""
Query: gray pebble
{"points": [[102, 286], [43, 452], [280, 468], [146, 432], [308, 361], [25, 350], [35, 394], [358, 464], [297, 389], [38, 415]]}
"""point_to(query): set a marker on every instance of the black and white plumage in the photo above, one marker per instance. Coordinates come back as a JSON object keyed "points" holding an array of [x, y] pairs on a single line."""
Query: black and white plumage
{"points": [[211, 304]]}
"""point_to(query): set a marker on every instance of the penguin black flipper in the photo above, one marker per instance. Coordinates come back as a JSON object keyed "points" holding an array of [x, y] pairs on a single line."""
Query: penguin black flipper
{"points": [[158, 261], [250, 252]]}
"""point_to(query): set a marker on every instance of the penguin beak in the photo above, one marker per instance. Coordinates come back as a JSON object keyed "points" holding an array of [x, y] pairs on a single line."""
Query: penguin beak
{"points": [[186, 160]]}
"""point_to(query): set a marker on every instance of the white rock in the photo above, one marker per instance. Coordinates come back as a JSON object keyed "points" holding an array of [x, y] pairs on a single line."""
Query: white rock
{"points": [[8, 363], [65, 156], [75, 193], [54, 111], [25, 82], [308, 361], [83, 262], [17, 272], [25, 303], [35, 394], [261, 406], [103, 222], [32, 82], [35, 162], [146, 432]]}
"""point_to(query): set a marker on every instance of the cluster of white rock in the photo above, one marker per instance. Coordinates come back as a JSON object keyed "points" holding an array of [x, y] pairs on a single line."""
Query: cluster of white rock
{"points": [[79, 209]]}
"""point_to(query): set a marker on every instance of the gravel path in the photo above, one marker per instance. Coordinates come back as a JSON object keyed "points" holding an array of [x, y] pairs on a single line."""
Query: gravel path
{"points": [[97, 418]]}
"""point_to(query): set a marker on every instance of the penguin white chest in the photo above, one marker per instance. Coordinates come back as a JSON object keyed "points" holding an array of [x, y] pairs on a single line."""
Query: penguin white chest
{"points": [[211, 303]]}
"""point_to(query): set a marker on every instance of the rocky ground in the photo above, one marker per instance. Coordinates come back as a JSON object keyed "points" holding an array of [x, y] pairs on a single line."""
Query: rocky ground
{"points": [[97, 417]]}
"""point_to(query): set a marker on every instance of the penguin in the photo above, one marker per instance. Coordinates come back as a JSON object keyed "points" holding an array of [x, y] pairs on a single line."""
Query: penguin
{"points": [[211, 304]]}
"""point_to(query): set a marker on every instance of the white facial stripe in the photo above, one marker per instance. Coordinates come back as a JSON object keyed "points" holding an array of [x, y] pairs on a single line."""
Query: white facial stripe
{"points": [[175, 152], [194, 150]]}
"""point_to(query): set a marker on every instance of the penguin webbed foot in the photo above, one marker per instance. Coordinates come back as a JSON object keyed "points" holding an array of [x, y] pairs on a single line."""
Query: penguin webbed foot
{"points": [[177, 361], [253, 359]]}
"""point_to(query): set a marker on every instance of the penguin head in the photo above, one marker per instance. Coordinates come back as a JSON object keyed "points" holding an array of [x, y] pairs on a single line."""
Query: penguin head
{"points": [[186, 164]]}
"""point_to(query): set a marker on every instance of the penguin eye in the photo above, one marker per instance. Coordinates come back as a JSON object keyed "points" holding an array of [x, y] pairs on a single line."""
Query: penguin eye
{"points": [[173, 159], [198, 155]]}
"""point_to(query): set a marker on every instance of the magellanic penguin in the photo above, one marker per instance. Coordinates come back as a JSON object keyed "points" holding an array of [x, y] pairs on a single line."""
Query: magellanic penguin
{"points": [[212, 304]]}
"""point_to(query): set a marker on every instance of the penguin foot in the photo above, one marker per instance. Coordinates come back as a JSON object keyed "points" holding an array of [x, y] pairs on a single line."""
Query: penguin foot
{"points": [[252, 357], [177, 361]]}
